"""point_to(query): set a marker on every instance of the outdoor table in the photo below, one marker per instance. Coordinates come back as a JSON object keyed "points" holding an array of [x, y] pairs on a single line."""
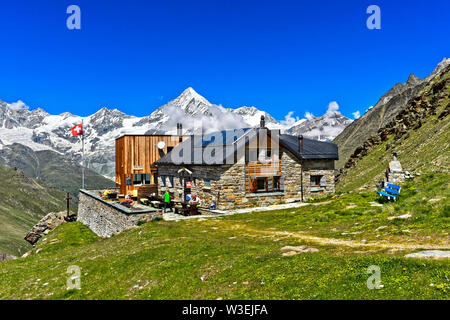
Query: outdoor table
{"points": [[112, 195]]}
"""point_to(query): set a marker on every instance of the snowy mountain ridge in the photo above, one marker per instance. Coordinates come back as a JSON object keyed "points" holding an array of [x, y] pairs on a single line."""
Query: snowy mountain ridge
{"points": [[39, 130]]}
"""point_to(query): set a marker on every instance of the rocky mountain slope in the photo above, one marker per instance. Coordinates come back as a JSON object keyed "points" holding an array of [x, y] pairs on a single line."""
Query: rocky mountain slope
{"points": [[41, 131], [23, 202], [324, 128], [419, 133], [389, 105]]}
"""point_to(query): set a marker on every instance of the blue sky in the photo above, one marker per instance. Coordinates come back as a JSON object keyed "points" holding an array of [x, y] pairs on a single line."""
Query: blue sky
{"points": [[279, 56]]}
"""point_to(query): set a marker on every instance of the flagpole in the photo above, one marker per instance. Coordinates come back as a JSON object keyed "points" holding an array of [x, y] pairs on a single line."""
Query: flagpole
{"points": [[82, 147]]}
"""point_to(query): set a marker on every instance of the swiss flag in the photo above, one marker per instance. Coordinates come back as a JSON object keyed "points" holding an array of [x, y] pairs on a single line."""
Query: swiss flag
{"points": [[77, 130]]}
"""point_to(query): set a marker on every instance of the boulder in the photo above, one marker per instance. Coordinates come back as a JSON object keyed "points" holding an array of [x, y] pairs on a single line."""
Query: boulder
{"points": [[436, 254], [6, 257], [43, 227]]}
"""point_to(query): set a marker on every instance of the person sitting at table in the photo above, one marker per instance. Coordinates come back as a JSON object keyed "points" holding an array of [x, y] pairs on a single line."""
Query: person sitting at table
{"points": [[128, 199], [106, 193], [195, 201]]}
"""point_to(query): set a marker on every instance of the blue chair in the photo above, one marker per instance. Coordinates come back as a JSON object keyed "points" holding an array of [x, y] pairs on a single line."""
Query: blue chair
{"points": [[391, 191]]}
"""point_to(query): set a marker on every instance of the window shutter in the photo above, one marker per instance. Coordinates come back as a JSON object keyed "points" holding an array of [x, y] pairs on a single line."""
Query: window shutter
{"points": [[270, 184], [323, 181], [281, 183]]}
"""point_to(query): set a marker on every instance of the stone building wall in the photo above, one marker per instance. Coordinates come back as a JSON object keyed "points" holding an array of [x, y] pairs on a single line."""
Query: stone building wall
{"points": [[323, 168], [291, 173], [227, 182], [106, 219]]}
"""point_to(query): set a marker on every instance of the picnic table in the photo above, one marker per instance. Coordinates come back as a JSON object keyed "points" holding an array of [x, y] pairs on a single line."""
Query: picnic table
{"points": [[185, 208], [112, 195]]}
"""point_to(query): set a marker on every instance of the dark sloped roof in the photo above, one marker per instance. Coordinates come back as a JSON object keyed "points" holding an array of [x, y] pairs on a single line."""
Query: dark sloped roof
{"points": [[225, 137], [311, 149]]}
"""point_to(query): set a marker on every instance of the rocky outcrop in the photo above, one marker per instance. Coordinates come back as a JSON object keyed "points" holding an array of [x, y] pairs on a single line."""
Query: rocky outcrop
{"points": [[409, 118], [43, 227], [380, 116], [6, 257]]}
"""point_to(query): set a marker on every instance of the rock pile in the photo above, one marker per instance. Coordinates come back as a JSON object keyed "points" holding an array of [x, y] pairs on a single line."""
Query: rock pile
{"points": [[43, 227]]}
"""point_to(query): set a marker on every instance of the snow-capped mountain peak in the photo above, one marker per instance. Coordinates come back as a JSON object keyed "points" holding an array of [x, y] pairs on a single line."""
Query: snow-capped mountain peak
{"points": [[324, 128], [191, 102]]}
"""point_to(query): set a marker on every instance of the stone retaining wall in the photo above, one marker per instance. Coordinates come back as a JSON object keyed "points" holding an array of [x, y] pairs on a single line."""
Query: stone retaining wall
{"points": [[107, 218]]}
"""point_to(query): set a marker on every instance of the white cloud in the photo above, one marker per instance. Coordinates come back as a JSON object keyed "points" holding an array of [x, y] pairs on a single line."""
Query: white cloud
{"points": [[333, 107], [356, 114], [289, 120], [309, 115], [19, 105], [228, 119]]}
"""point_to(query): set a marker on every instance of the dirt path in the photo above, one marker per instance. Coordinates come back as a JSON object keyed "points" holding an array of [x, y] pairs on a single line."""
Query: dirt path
{"points": [[337, 242]]}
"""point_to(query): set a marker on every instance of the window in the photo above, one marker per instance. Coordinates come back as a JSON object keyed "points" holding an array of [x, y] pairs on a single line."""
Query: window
{"points": [[162, 181], [170, 182], [266, 184], [207, 183], [276, 183], [137, 178], [261, 184], [141, 178], [315, 181]]}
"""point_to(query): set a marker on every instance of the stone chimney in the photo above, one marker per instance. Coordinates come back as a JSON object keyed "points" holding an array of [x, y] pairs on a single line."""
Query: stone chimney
{"points": [[262, 123], [300, 143], [179, 129]]}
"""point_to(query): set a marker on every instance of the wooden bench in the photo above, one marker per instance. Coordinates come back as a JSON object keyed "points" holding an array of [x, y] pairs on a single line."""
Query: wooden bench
{"points": [[391, 191]]}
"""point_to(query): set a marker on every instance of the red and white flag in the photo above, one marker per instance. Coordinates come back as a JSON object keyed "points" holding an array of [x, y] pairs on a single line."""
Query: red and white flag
{"points": [[77, 130]]}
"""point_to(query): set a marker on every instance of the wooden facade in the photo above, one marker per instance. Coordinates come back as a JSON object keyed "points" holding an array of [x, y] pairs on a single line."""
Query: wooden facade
{"points": [[135, 156], [262, 165]]}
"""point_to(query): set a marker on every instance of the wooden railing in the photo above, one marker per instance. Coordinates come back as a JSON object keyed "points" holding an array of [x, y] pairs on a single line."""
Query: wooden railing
{"points": [[253, 169]]}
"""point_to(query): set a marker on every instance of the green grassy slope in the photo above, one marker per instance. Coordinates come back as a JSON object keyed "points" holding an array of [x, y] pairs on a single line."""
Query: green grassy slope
{"points": [[241, 256], [23, 202], [424, 150]]}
